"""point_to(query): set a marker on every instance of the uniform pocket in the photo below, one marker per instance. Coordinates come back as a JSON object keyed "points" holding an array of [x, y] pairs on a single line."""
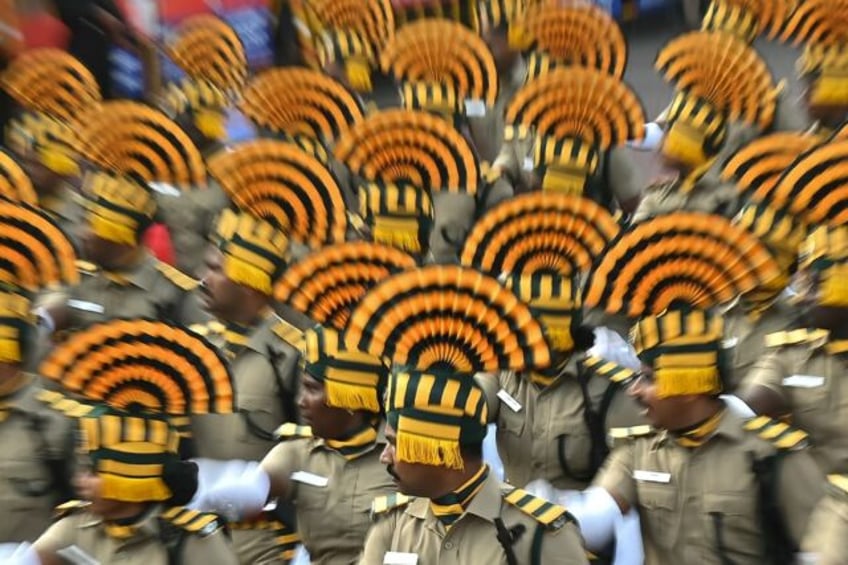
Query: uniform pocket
{"points": [[574, 454], [659, 516], [732, 522], [510, 421]]}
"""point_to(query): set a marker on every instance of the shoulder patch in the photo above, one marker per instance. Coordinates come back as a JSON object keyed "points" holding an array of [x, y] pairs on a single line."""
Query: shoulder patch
{"points": [[290, 430], [839, 483], [795, 337], [69, 508], [86, 267], [612, 371], [288, 333], [384, 504], [552, 516], [176, 276], [198, 523], [208, 329], [631, 432], [780, 434]]}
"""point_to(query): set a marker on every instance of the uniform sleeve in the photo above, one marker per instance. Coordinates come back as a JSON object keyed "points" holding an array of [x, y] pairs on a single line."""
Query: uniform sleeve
{"points": [[378, 541], [768, 372], [789, 115], [58, 536], [490, 385], [623, 175], [282, 461], [616, 475], [454, 217], [800, 488], [214, 549], [828, 530], [562, 547], [190, 312]]}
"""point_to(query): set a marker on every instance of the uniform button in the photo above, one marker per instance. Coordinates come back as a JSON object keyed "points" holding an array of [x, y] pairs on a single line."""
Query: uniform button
{"points": [[448, 545]]}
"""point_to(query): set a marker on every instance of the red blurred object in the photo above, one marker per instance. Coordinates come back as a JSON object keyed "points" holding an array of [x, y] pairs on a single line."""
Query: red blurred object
{"points": [[158, 240], [42, 29]]}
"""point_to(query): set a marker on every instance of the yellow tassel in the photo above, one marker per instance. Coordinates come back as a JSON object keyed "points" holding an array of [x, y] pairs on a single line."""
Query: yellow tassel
{"points": [[358, 74], [518, 37], [351, 397], [126, 489], [834, 288], [212, 124], [10, 351], [413, 448], [830, 90], [401, 233], [112, 231], [685, 144], [564, 180], [680, 381], [241, 272], [59, 162], [558, 331]]}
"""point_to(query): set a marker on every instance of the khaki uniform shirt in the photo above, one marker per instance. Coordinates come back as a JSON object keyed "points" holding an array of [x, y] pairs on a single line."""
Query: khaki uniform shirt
{"points": [[85, 532], [547, 436], [744, 337], [32, 436], [413, 528], [68, 211], [706, 196], [264, 371], [151, 290], [827, 535], [332, 520], [686, 496], [454, 215], [811, 382], [487, 132]]}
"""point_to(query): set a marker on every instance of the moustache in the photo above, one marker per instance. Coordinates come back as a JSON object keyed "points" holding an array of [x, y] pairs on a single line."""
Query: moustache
{"points": [[391, 471]]}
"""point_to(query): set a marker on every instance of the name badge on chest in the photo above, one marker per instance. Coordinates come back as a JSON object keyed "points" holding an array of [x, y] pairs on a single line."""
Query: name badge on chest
{"points": [[651, 476], [507, 399], [400, 558], [310, 479], [803, 381]]}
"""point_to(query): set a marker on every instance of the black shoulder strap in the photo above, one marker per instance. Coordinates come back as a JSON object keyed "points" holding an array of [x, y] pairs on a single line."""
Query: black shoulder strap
{"points": [[595, 423], [174, 539], [506, 539], [778, 545], [287, 397], [536, 546]]}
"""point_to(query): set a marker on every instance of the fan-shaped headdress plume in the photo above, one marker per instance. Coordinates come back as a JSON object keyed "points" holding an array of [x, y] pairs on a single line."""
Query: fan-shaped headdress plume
{"points": [[138, 372], [132, 138], [288, 187], [419, 53], [439, 325], [329, 283], [747, 19], [14, 182], [208, 49], [50, 81]]}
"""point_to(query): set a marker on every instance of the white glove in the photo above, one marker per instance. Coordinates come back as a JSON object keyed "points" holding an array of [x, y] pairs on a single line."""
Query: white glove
{"points": [[654, 135], [233, 489], [612, 347], [737, 406], [18, 554]]}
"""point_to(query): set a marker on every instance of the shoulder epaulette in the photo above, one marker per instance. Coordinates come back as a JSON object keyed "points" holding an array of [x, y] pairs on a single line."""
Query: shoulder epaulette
{"points": [[839, 483], [207, 329], [192, 521], [288, 333], [290, 430], [86, 267], [69, 508], [384, 504], [552, 516], [795, 337], [612, 371], [631, 432], [780, 434], [176, 276]]}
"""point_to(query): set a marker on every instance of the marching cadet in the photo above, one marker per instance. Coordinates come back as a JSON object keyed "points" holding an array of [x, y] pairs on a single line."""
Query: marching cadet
{"points": [[756, 507], [721, 72], [824, 543], [120, 278], [131, 480], [249, 257], [437, 420], [552, 422]]}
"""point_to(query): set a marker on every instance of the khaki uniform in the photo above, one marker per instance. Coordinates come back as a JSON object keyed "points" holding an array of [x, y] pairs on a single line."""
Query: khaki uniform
{"points": [[332, 520], [547, 437], [67, 208], [409, 526], [811, 383], [151, 290], [701, 505], [706, 196], [454, 215], [826, 537], [745, 337], [204, 539], [487, 132], [37, 446]]}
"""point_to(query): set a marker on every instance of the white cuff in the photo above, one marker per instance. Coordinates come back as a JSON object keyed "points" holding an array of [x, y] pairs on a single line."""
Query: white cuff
{"points": [[233, 489], [737, 406], [654, 135], [18, 554], [597, 515]]}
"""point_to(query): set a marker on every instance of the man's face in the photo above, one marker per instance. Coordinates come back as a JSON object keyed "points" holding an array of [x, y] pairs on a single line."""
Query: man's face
{"points": [[814, 314], [220, 296], [412, 479], [498, 43], [106, 254], [662, 413], [327, 422]]}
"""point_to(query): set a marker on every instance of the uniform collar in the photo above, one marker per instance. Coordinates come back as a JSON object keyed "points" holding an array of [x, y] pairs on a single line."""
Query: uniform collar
{"points": [[142, 276], [486, 505], [147, 527], [730, 427]]}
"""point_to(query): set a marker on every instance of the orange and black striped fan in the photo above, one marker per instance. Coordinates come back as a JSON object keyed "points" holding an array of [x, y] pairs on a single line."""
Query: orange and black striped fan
{"points": [[580, 35], [329, 283], [133, 138], [208, 49], [443, 52], [143, 365], [820, 23], [15, 185], [52, 82], [724, 71], [815, 188], [756, 167], [447, 318], [375, 19], [408, 146], [34, 252], [281, 183], [840, 134], [748, 18], [579, 103], [540, 233], [301, 101], [683, 259]]}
